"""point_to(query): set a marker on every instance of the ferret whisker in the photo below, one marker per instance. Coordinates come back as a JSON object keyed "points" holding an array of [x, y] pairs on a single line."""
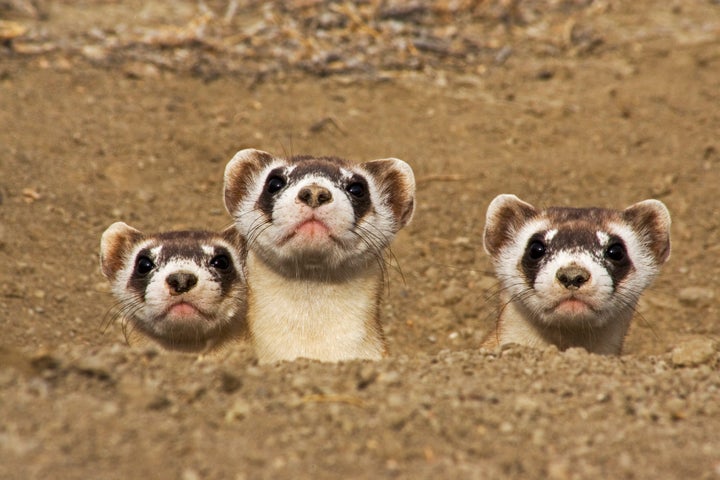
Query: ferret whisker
{"points": [[120, 309], [383, 243], [377, 233], [172, 289], [255, 233], [240, 215], [378, 245], [320, 245], [377, 253]]}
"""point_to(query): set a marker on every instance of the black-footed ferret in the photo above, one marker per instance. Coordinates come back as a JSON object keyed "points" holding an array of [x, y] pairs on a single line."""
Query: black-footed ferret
{"points": [[571, 277], [184, 290], [317, 230]]}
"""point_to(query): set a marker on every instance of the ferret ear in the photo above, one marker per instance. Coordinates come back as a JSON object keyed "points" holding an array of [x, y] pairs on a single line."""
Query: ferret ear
{"points": [[240, 174], [651, 219], [396, 182], [116, 242], [233, 237], [505, 216]]}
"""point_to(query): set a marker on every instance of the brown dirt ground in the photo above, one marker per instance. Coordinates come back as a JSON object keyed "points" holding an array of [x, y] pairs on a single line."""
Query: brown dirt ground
{"points": [[86, 140]]}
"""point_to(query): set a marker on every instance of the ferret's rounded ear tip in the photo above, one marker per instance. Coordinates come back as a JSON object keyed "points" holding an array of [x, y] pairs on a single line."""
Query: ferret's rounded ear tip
{"points": [[114, 243], [504, 199], [402, 165], [244, 155], [119, 229], [392, 163], [504, 216], [117, 226], [238, 174], [653, 218], [656, 205], [407, 172], [249, 153], [658, 208]]}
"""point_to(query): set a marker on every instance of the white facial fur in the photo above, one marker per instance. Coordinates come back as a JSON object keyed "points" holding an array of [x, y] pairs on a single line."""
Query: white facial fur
{"points": [[549, 292], [205, 310], [343, 244], [315, 262], [602, 300], [278, 241]]}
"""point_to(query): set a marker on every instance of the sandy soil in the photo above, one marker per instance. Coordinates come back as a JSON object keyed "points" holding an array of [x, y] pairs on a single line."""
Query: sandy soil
{"points": [[579, 104]]}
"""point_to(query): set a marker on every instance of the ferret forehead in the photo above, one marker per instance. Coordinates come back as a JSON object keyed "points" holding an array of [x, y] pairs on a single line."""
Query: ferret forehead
{"points": [[593, 218], [190, 245], [584, 228], [332, 168], [572, 228], [185, 236], [577, 236]]}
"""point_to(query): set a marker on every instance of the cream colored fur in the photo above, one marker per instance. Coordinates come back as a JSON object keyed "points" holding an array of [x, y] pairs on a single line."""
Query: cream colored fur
{"points": [[327, 321], [528, 313], [513, 326]]}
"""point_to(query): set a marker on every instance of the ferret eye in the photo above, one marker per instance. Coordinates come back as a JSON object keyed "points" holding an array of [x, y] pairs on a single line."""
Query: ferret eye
{"points": [[221, 262], [536, 250], [356, 189], [144, 265], [615, 252], [274, 184]]}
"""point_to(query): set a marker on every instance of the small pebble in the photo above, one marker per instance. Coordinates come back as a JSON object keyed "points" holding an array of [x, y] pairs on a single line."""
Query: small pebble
{"points": [[696, 351], [390, 378], [524, 404], [239, 410], [696, 296], [140, 70], [230, 383], [94, 366], [94, 52], [453, 294], [366, 376]]}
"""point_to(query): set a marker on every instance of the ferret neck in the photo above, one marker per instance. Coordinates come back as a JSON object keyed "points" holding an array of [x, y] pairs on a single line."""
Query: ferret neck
{"points": [[517, 326], [319, 319]]}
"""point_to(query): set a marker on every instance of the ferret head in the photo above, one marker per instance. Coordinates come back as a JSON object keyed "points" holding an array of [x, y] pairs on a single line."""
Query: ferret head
{"points": [[182, 289], [576, 266], [305, 214]]}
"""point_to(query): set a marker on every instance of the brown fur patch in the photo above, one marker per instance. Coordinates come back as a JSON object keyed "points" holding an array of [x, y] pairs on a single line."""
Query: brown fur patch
{"points": [[239, 175], [232, 236], [651, 220], [396, 187], [116, 243], [505, 216]]}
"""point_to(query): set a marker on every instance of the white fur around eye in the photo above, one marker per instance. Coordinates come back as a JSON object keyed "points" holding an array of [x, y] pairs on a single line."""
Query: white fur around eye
{"points": [[507, 263], [215, 305], [602, 237], [315, 269], [594, 315], [354, 240]]}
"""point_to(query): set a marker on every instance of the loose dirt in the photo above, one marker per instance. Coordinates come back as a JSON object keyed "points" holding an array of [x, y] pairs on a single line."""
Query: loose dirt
{"points": [[130, 110]]}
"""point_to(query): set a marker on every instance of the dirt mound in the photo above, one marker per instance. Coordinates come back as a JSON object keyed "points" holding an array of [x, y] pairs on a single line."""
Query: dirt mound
{"points": [[561, 103]]}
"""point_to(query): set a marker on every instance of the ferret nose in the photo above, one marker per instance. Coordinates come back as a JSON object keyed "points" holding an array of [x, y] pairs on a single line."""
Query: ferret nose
{"points": [[180, 282], [314, 195], [572, 277]]}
